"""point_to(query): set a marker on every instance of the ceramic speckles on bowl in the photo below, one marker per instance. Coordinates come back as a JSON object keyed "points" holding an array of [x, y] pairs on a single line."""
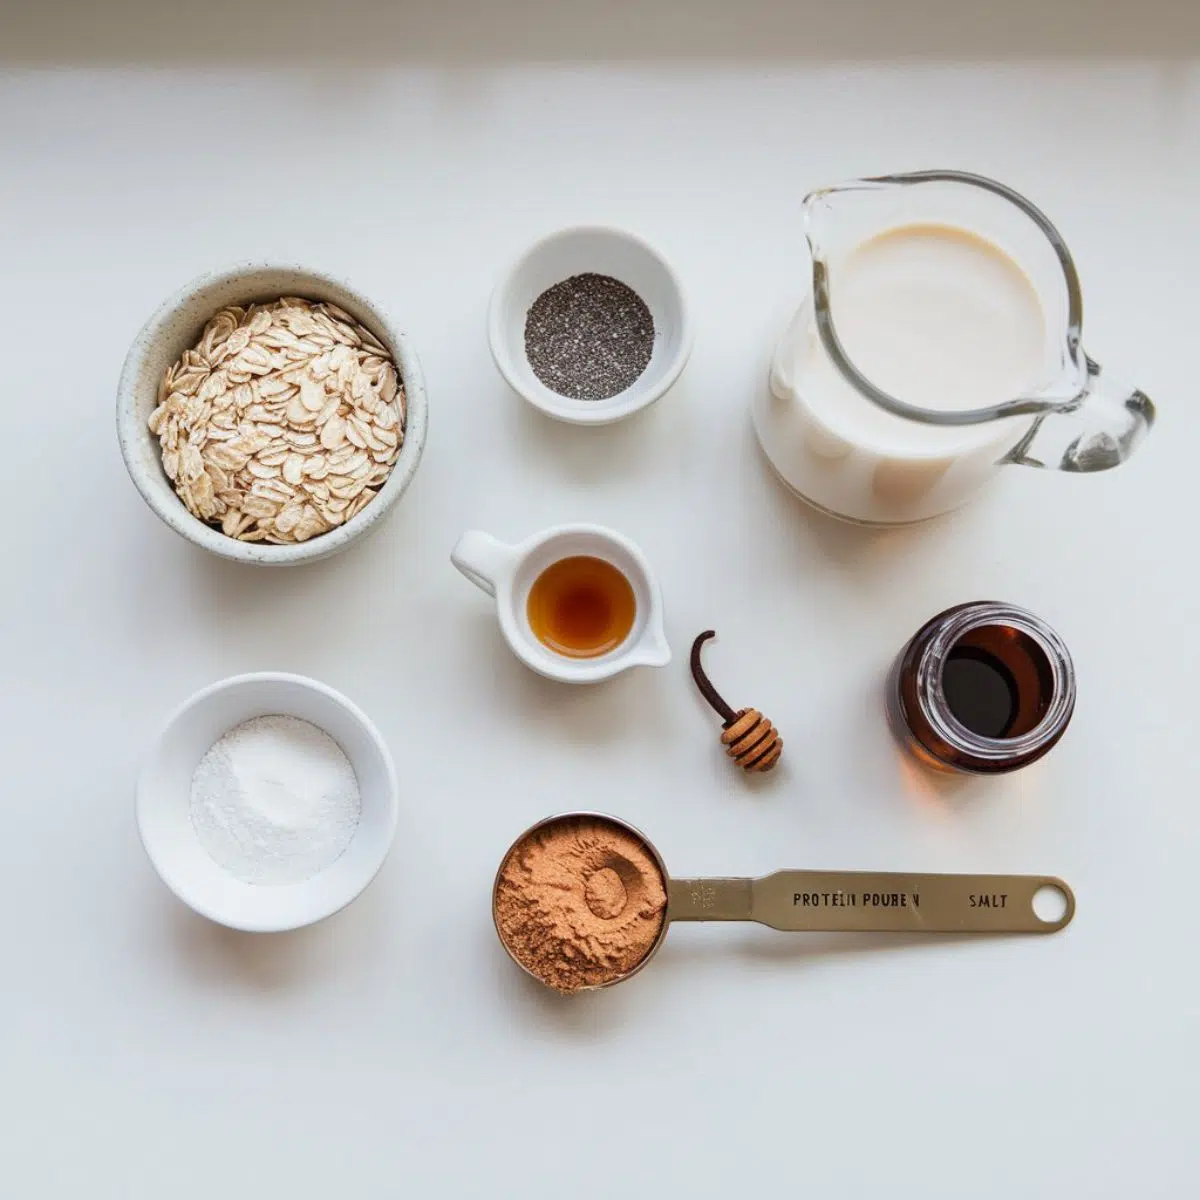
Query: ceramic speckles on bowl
{"points": [[177, 325]]}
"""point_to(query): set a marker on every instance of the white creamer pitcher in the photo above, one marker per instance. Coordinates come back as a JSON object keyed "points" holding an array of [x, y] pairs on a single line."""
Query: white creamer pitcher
{"points": [[940, 342], [507, 573]]}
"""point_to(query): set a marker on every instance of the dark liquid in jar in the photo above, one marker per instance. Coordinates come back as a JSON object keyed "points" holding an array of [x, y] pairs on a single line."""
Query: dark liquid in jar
{"points": [[994, 698], [980, 691], [581, 607], [996, 682]]}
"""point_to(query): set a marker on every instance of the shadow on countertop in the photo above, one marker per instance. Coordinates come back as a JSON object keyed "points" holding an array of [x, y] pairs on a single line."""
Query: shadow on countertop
{"points": [[484, 32]]}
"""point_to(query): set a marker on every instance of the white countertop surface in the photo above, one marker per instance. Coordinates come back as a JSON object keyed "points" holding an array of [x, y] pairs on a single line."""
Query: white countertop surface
{"points": [[393, 1050]]}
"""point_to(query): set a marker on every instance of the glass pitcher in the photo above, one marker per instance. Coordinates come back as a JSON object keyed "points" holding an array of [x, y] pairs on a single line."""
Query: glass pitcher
{"points": [[940, 342]]}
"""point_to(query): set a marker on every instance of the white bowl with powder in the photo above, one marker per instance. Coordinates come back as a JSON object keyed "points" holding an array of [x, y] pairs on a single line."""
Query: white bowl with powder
{"points": [[268, 802]]}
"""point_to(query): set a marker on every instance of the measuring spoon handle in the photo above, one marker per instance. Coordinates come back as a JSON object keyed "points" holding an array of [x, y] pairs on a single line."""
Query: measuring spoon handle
{"points": [[873, 902]]}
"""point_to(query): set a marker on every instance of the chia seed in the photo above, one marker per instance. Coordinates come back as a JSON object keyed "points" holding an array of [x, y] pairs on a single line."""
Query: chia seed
{"points": [[589, 337]]}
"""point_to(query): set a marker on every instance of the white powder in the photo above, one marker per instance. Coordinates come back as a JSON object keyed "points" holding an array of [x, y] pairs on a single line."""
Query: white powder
{"points": [[275, 800]]}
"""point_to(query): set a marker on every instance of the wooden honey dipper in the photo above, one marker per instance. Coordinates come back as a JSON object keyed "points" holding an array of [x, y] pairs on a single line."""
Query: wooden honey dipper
{"points": [[748, 737]]}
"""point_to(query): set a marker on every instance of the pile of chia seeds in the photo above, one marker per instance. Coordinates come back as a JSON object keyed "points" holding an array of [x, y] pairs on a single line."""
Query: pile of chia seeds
{"points": [[589, 337]]}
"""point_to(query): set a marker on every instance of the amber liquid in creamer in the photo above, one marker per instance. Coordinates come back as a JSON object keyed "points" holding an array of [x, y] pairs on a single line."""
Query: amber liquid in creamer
{"points": [[581, 607], [934, 316]]}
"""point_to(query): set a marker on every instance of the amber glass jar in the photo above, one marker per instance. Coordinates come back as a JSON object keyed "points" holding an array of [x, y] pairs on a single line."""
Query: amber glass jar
{"points": [[982, 688]]}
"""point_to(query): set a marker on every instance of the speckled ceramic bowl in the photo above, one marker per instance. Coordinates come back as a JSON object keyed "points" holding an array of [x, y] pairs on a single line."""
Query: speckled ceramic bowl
{"points": [[176, 325]]}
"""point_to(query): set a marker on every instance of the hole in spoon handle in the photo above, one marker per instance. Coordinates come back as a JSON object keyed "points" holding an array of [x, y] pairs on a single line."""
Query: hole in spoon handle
{"points": [[887, 902]]}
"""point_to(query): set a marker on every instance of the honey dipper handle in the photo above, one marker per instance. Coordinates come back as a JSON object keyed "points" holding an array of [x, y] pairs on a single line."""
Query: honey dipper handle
{"points": [[888, 902]]}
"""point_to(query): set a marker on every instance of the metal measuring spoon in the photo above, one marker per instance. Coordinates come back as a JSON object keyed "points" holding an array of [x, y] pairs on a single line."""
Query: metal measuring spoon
{"points": [[830, 901]]}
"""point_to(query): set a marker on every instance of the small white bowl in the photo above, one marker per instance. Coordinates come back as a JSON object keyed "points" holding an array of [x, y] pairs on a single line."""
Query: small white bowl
{"points": [[176, 325], [164, 811], [604, 251]]}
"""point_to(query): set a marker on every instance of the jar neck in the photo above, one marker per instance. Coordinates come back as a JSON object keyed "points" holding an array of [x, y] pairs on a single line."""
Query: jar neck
{"points": [[1044, 686]]}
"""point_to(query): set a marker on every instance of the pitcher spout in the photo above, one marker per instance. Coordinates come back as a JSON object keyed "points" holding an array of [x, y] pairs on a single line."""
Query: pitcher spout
{"points": [[1095, 430]]}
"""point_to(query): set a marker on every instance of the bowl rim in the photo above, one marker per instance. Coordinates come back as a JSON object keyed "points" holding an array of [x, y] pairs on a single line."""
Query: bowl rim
{"points": [[142, 801], [564, 408], [171, 510]]}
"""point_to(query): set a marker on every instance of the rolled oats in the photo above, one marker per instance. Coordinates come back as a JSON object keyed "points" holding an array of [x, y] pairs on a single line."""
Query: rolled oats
{"points": [[281, 422]]}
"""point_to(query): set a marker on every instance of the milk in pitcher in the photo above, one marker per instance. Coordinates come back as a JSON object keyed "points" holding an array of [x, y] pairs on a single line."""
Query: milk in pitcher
{"points": [[935, 316]]}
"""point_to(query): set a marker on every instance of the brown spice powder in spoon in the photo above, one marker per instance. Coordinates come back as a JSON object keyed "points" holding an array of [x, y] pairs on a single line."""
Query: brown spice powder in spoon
{"points": [[580, 902]]}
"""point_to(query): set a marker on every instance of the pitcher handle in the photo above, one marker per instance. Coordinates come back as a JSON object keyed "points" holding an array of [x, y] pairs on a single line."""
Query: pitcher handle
{"points": [[1096, 430]]}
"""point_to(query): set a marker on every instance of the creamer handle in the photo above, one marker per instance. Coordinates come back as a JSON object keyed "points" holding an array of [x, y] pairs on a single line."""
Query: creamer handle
{"points": [[1100, 429]]}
